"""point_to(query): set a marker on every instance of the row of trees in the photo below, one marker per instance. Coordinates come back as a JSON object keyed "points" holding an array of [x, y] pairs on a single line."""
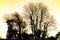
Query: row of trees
{"points": [[40, 20]]}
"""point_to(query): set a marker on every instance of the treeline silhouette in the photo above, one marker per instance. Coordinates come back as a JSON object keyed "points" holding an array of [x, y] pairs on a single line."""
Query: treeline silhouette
{"points": [[14, 34], [39, 18]]}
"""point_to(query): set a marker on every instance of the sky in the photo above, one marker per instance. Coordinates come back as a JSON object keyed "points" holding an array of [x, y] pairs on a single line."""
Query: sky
{"points": [[10, 6]]}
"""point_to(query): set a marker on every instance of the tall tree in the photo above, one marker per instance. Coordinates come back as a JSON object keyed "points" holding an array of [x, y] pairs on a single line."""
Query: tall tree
{"points": [[40, 19]]}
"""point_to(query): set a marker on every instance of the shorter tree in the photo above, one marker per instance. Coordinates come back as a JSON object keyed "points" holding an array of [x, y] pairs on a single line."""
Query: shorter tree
{"points": [[15, 24]]}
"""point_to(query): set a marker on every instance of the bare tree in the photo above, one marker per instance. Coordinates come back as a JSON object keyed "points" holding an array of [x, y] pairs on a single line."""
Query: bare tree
{"points": [[40, 19]]}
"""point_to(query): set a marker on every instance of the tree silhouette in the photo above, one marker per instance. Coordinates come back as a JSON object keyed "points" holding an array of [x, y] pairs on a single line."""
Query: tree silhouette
{"points": [[40, 19], [58, 36], [15, 24]]}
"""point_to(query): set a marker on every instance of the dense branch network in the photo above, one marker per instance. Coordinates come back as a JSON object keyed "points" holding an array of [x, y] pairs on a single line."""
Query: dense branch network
{"points": [[40, 19]]}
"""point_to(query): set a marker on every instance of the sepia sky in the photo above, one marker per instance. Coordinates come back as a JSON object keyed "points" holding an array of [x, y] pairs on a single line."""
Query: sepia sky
{"points": [[10, 6]]}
